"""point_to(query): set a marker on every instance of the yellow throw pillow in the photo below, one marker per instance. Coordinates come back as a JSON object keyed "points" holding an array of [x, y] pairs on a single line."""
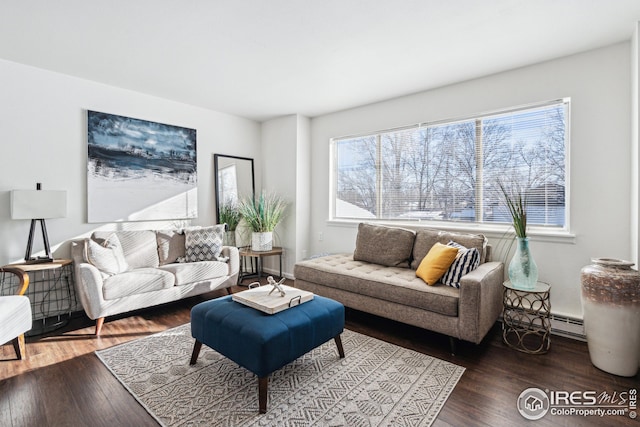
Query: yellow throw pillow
{"points": [[435, 264]]}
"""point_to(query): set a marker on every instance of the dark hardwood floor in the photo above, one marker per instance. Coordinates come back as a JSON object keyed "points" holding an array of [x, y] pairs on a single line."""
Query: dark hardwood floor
{"points": [[62, 383]]}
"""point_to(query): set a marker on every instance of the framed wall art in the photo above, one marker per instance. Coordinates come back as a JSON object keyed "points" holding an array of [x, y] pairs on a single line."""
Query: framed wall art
{"points": [[139, 170]]}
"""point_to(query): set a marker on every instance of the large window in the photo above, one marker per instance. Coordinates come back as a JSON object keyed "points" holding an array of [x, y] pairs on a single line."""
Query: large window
{"points": [[451, 170]]}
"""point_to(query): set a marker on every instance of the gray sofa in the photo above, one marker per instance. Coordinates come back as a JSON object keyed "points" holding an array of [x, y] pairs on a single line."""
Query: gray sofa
{"points": [[380, 278], [154, 270]]}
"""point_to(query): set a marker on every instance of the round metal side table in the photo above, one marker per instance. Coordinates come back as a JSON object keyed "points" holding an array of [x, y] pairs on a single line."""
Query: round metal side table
{"points": [[526, 318]]}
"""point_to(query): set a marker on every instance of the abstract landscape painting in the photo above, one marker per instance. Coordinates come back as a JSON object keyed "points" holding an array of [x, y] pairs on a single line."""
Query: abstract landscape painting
{"points": [[139, 170]]}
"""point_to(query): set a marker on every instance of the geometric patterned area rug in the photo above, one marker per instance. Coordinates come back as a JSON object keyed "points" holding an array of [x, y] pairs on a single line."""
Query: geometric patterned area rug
{"points": [[376, 384]]}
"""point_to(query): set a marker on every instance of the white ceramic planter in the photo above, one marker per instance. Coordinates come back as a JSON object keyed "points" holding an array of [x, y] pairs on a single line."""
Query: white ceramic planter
{"points": [[611, 308], [262, 241]]}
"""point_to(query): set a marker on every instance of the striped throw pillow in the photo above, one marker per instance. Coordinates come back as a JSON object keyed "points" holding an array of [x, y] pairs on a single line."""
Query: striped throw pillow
{"points": [[466, 261]]}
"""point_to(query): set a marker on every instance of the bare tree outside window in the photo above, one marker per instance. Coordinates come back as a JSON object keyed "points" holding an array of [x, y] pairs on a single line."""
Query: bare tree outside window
{"points": [[449, 171]]}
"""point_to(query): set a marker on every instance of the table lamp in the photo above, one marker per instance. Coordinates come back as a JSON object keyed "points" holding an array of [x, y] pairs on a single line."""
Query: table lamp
{"points": [[38, 205]]}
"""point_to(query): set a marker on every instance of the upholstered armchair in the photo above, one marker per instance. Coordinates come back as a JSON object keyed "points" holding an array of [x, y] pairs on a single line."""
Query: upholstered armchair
{"points": [[15, 314]]}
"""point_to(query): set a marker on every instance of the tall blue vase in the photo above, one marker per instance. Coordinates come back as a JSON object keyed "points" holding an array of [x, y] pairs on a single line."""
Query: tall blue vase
{"points": [[523, 270]]}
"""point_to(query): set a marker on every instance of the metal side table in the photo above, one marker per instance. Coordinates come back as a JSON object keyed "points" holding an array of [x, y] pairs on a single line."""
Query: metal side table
{"points": [[256, 270], [50, 288], [526, 318]]}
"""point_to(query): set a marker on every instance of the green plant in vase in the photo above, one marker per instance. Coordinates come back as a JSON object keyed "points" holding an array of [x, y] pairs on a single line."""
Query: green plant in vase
{"points": [[230, 214], [523, 270], [262, 214]]}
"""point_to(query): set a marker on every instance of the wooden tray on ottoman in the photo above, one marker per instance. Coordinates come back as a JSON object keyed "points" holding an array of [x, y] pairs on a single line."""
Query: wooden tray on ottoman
{"points": [[260, 299]]}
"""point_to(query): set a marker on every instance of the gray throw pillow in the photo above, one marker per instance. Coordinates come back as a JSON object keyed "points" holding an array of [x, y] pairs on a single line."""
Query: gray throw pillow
{"points": [[388, 246], [203, 243], [427, 237], [171, 245]]}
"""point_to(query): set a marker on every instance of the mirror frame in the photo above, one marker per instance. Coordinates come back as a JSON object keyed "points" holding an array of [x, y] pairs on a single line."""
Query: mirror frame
{"points": [[217, 181]]}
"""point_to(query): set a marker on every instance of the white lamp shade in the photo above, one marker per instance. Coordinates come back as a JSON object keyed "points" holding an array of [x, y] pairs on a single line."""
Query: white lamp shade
{"points": [[38, 204]]}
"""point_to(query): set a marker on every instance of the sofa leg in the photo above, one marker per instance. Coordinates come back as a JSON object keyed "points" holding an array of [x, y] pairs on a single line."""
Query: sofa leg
{"points": [[99, 323], [452, 344], [19, 347], [228, 290]]}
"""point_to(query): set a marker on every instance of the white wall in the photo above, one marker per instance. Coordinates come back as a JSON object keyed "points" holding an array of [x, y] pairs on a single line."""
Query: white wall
{"points": [[279, 140], [43, 135], [598, 83], [303, 188], [635, 147], [286, 142], [43, 123]]}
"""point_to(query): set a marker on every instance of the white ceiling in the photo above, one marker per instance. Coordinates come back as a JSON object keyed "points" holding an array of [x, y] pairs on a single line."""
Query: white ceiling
{"points": [[265, 58]]}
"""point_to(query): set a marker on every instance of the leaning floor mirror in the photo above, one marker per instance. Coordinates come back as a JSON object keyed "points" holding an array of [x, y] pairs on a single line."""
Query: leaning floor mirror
{"points": [[234, 181]]}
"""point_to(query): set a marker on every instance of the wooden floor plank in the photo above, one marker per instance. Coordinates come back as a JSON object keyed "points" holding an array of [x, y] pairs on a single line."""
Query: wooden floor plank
{"points": [[64, 383], [109, 396], [25, 396]]}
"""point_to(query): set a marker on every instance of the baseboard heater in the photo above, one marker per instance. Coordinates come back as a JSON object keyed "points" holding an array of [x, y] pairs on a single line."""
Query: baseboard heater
{"points": [[567, 327]]}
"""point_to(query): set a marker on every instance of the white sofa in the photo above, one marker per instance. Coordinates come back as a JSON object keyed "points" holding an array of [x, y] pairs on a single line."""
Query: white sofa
{"points": [[152, 272]]}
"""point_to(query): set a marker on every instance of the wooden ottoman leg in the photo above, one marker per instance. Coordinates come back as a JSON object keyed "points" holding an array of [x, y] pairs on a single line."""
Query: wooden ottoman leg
{"points": [[338, 341], [196, 351], [263, 384]]}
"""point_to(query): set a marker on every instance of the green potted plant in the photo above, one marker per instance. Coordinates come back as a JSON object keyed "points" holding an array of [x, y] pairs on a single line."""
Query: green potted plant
{"points": [[523, 271], [262, 215], [230, 214]]}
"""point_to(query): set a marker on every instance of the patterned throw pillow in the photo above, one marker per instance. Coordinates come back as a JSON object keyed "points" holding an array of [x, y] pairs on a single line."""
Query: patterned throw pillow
{"points": [[108, 256], [466, 261], [203, 243]]}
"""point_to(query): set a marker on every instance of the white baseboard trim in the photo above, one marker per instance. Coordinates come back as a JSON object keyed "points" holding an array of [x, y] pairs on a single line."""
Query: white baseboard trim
{"points": [[272, 272]]}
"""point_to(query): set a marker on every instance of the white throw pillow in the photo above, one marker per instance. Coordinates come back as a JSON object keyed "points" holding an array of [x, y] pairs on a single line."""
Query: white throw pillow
{"points": [[203, 243], [108, 257], [466, 261]]}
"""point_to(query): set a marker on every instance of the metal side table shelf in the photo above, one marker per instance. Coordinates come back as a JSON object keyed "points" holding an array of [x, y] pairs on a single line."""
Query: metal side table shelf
{"points": [[526, 318], [51, 290]]}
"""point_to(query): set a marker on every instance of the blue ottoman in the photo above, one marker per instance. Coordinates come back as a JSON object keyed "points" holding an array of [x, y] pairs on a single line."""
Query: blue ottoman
{"points": [[263, 343]]}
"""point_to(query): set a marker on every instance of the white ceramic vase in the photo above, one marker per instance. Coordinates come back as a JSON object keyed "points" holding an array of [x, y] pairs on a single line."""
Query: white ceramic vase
{"points": [[611, 309], [262, 241]]}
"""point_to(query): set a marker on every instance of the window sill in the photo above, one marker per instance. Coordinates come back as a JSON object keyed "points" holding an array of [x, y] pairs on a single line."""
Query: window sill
{"points": [[491, 231]]}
